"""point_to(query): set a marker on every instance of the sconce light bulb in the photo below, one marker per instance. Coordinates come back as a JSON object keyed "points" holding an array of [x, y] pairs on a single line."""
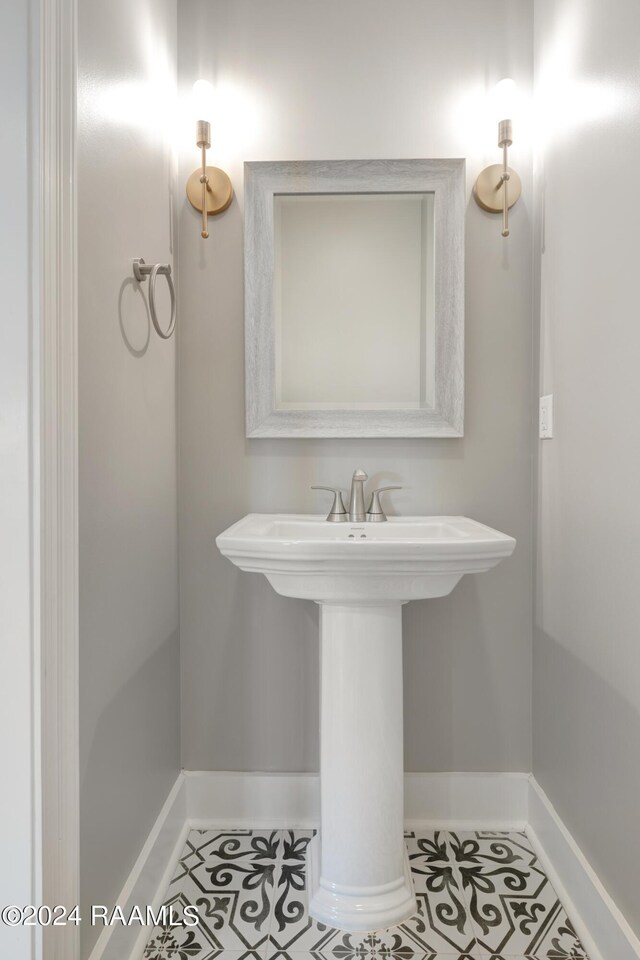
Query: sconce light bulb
{"points": [[202, 100], [505, 96]]}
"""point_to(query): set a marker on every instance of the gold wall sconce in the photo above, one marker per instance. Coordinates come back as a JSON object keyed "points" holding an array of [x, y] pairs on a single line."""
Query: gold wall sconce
{"points": [[498, 187], [209, 189]]}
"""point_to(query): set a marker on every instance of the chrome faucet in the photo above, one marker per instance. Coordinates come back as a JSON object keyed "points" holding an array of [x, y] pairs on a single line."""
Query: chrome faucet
{"points": [[356, 514]]}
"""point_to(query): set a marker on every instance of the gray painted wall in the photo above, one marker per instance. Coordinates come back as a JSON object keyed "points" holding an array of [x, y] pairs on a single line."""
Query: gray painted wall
{"points": [[307, 80], [129, 657], [586, 651]]}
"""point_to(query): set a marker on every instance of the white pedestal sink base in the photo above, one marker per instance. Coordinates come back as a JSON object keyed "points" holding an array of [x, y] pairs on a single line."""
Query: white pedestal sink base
{"points": [[359, 876], [361, 909]]}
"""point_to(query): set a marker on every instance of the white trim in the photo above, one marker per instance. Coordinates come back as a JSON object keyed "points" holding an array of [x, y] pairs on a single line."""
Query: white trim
{"points": [[263, 799], [467, 801], [598, 921], [462, 800], [149, 878], [58, 542]]}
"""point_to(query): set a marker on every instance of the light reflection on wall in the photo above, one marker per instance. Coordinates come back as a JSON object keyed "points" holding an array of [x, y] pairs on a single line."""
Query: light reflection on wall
{"points": [[565, 99], [148, 105]]}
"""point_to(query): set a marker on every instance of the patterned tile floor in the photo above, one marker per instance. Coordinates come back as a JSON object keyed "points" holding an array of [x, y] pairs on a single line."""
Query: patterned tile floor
{"points": [[481, 896]]}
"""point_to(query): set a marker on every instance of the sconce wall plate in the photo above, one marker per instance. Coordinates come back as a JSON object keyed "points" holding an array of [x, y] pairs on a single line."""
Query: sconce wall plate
{"points": [[219, 190], [488, 190]]}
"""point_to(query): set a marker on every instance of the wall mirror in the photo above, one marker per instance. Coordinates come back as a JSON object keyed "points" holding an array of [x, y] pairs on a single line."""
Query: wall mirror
{"points": [[354, 298]]}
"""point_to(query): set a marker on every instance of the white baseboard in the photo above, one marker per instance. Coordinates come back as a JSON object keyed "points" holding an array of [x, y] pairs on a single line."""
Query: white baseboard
{"points": [[598, 921], [466, 801], [262, 799], [438, 800], [149, 877], [293, 800]]}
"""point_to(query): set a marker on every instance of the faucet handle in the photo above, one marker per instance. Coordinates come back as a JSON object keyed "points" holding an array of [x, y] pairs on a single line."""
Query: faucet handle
{"points": [[375, 513], [337, 514]]}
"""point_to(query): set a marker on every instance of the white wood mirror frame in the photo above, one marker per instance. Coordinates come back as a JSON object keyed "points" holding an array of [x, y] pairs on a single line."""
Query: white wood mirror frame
{"points": [[442, 415]]}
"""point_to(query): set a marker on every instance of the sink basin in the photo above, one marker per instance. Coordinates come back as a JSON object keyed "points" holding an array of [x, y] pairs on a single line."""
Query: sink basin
{"points": [[361, 574], [406, 558]]}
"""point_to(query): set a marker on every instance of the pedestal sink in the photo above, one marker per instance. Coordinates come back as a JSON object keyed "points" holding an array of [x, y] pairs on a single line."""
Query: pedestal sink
{"points": [[361, 574]]}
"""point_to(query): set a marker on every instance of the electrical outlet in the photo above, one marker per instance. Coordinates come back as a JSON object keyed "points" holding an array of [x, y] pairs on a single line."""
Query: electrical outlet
{"points": [[546, 417]]}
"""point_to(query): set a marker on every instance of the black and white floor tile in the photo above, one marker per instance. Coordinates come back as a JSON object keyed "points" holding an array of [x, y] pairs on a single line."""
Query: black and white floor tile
{"points": [[481, 896]]}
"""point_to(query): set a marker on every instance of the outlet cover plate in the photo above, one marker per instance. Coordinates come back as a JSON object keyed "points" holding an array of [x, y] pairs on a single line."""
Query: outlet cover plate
{"points": [[546, 417]]}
